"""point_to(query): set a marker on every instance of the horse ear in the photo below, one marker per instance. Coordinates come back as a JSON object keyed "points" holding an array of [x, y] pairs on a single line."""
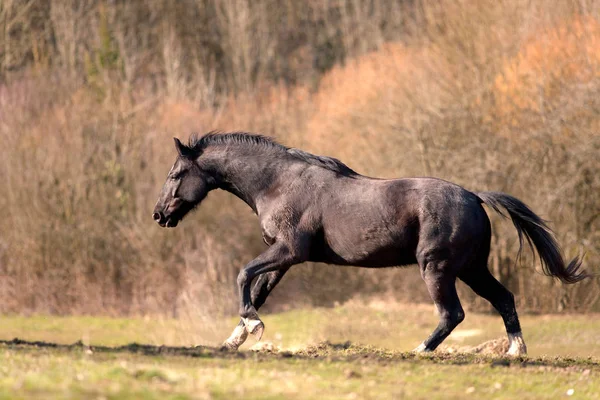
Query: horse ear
{"points": [[182, 150]]}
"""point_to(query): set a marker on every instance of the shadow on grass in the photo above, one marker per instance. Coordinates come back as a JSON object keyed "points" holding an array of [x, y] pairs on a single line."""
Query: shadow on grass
{"points": [[133, 348], [324, 351]]}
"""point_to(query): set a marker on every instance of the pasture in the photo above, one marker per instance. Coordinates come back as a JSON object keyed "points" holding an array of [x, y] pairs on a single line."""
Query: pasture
{"points": [[352, 351], [493, 95]]}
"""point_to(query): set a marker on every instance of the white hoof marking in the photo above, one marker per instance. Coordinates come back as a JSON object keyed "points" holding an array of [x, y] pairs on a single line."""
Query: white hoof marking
{"points": [[252, 324], [254, 327], [516, 344], [237, 338], [421, 349]]}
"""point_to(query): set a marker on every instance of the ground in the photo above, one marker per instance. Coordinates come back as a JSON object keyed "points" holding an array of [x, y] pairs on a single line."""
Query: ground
{"points": [[350, 351]]}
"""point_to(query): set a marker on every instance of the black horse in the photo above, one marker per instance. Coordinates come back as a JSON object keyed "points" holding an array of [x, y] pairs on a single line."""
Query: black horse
{"points": [[314, 208]]}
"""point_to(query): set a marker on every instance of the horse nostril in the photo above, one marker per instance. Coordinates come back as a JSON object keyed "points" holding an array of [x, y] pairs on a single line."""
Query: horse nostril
{"points": [[156, 216]]}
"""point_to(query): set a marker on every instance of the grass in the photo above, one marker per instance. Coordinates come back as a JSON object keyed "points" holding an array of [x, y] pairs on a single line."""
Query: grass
{"points": [[365, 356]]}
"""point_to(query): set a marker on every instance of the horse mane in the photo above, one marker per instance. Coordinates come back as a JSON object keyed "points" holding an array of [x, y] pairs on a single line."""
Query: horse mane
{"points": [[197, 144], [329, 163]]}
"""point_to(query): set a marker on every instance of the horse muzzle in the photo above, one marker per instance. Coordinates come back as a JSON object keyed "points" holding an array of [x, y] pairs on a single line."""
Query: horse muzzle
{"points": [[164, 221]]}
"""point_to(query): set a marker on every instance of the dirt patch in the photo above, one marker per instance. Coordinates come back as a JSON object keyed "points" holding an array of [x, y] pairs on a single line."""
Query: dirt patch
{"points": [[495, 347], [490, 353]]}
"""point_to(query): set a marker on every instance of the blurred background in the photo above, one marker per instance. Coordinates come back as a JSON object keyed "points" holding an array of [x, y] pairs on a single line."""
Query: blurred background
{"points": [[493, 95]]}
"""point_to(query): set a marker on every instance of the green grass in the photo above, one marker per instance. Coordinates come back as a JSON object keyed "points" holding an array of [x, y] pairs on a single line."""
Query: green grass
{"points": [[365, 357]]}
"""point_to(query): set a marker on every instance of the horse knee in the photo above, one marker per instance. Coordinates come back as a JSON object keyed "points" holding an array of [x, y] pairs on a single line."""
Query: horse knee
{"points": [[242, 277], [454, 317]]}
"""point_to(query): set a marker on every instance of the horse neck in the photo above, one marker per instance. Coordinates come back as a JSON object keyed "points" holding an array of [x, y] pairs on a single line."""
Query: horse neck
{"points": [[246, 173]]}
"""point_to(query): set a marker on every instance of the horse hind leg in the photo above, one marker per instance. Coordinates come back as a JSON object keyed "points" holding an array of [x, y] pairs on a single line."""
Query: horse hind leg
{"points": [[441, 285], [485, 285]]}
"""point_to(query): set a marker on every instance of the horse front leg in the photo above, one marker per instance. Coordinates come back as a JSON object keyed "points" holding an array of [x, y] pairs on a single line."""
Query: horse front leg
{"points": [[263, 286], [275, 258]]}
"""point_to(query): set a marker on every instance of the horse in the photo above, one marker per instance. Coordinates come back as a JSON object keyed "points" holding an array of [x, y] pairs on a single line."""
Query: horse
{"points": [[316, 208]]}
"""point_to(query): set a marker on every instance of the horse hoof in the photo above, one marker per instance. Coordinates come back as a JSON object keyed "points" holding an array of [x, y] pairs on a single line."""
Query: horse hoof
{"points": [[516, 352], [228, 346], [421, 349], [254, 327], [516, 345], [237, 338]]}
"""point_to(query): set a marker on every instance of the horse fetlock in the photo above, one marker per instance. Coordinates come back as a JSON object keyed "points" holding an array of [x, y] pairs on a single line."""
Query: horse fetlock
{"points": [[254, 327], [516, 344], [248, 311]]}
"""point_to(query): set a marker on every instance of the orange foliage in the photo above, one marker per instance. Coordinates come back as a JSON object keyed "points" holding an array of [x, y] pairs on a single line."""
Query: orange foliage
{"points": [[552, 59], [355, 91], [352, 86]]}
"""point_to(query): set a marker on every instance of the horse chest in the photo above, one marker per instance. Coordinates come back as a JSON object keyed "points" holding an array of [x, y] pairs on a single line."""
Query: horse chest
{"points": [[278, 222]]}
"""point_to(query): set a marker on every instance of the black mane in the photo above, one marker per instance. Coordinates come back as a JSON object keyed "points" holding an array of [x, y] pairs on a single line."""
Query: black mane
{"points": [[329, 163], [198, 143]]}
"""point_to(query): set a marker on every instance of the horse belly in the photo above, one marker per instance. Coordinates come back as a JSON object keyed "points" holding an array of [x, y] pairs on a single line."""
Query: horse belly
{"points": [[383, 257], [369, 247], [365, 227]]}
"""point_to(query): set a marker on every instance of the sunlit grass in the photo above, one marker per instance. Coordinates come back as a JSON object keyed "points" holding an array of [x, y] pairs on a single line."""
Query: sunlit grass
{"points": [[389, 325], [371, 361], [323, 372]]}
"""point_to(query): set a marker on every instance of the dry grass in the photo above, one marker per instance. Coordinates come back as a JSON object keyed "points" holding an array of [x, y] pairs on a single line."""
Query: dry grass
{"points": [[450, 92]]}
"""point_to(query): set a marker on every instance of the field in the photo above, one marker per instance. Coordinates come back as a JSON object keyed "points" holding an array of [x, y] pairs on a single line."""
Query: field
{"points": [[491, 95], [350, 351]]}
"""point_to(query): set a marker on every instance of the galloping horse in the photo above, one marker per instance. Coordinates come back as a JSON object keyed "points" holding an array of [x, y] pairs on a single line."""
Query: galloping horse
{"points": [[314, 208]]}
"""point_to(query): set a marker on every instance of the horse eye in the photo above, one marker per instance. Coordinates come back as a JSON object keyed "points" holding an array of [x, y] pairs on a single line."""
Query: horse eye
{"points": [[178, 175]]}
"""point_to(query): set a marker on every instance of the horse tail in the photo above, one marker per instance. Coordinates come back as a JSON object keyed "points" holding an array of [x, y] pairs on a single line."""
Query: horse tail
{"points": [[538, 235]]}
